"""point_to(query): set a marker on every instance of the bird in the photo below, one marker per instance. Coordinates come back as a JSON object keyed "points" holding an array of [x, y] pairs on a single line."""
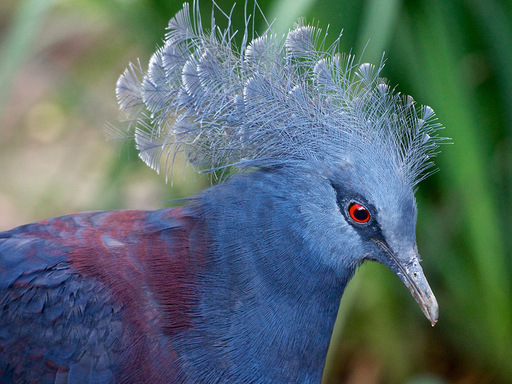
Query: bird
{"points": [[317, 160]]}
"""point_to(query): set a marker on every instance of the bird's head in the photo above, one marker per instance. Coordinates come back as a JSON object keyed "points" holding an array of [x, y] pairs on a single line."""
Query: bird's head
{"points": [[379, 212], [287, 100]]}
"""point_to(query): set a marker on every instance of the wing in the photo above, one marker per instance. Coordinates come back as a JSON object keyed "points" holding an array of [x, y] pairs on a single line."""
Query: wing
{"points": [[98, 297]]}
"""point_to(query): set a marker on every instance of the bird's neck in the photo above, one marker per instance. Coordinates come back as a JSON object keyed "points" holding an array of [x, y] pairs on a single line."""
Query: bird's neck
{"points": [[272, 320], [264, 305]]}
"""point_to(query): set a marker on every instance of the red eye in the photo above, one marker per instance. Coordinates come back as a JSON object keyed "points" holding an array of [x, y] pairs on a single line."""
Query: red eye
{"points": [[358, 213]]}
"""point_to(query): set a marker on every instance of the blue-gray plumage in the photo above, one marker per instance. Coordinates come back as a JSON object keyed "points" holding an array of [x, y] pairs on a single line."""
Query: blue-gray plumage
{"points": [[242, 285]]}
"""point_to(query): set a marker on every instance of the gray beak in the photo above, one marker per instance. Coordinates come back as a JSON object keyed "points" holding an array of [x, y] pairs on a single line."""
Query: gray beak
{"points": [[411, 274]]}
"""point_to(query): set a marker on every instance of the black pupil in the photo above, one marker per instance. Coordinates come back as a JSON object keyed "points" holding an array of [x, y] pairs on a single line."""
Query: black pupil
{"points": [[360, 214]]}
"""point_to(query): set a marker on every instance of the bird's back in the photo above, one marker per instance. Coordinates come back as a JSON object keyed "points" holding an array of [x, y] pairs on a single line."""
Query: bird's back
{"points": [[97, 297]]}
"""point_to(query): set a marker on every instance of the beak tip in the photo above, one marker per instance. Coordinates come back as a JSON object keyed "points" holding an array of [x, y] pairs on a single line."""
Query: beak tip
{"points": [[431, 310]]}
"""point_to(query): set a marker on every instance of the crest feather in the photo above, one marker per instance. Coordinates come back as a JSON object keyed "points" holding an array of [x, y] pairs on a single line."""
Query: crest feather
{"points": [[275, 100]]}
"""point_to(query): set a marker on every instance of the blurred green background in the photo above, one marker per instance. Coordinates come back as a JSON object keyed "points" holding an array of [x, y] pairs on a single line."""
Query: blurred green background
{"points": [[59, 62]]}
